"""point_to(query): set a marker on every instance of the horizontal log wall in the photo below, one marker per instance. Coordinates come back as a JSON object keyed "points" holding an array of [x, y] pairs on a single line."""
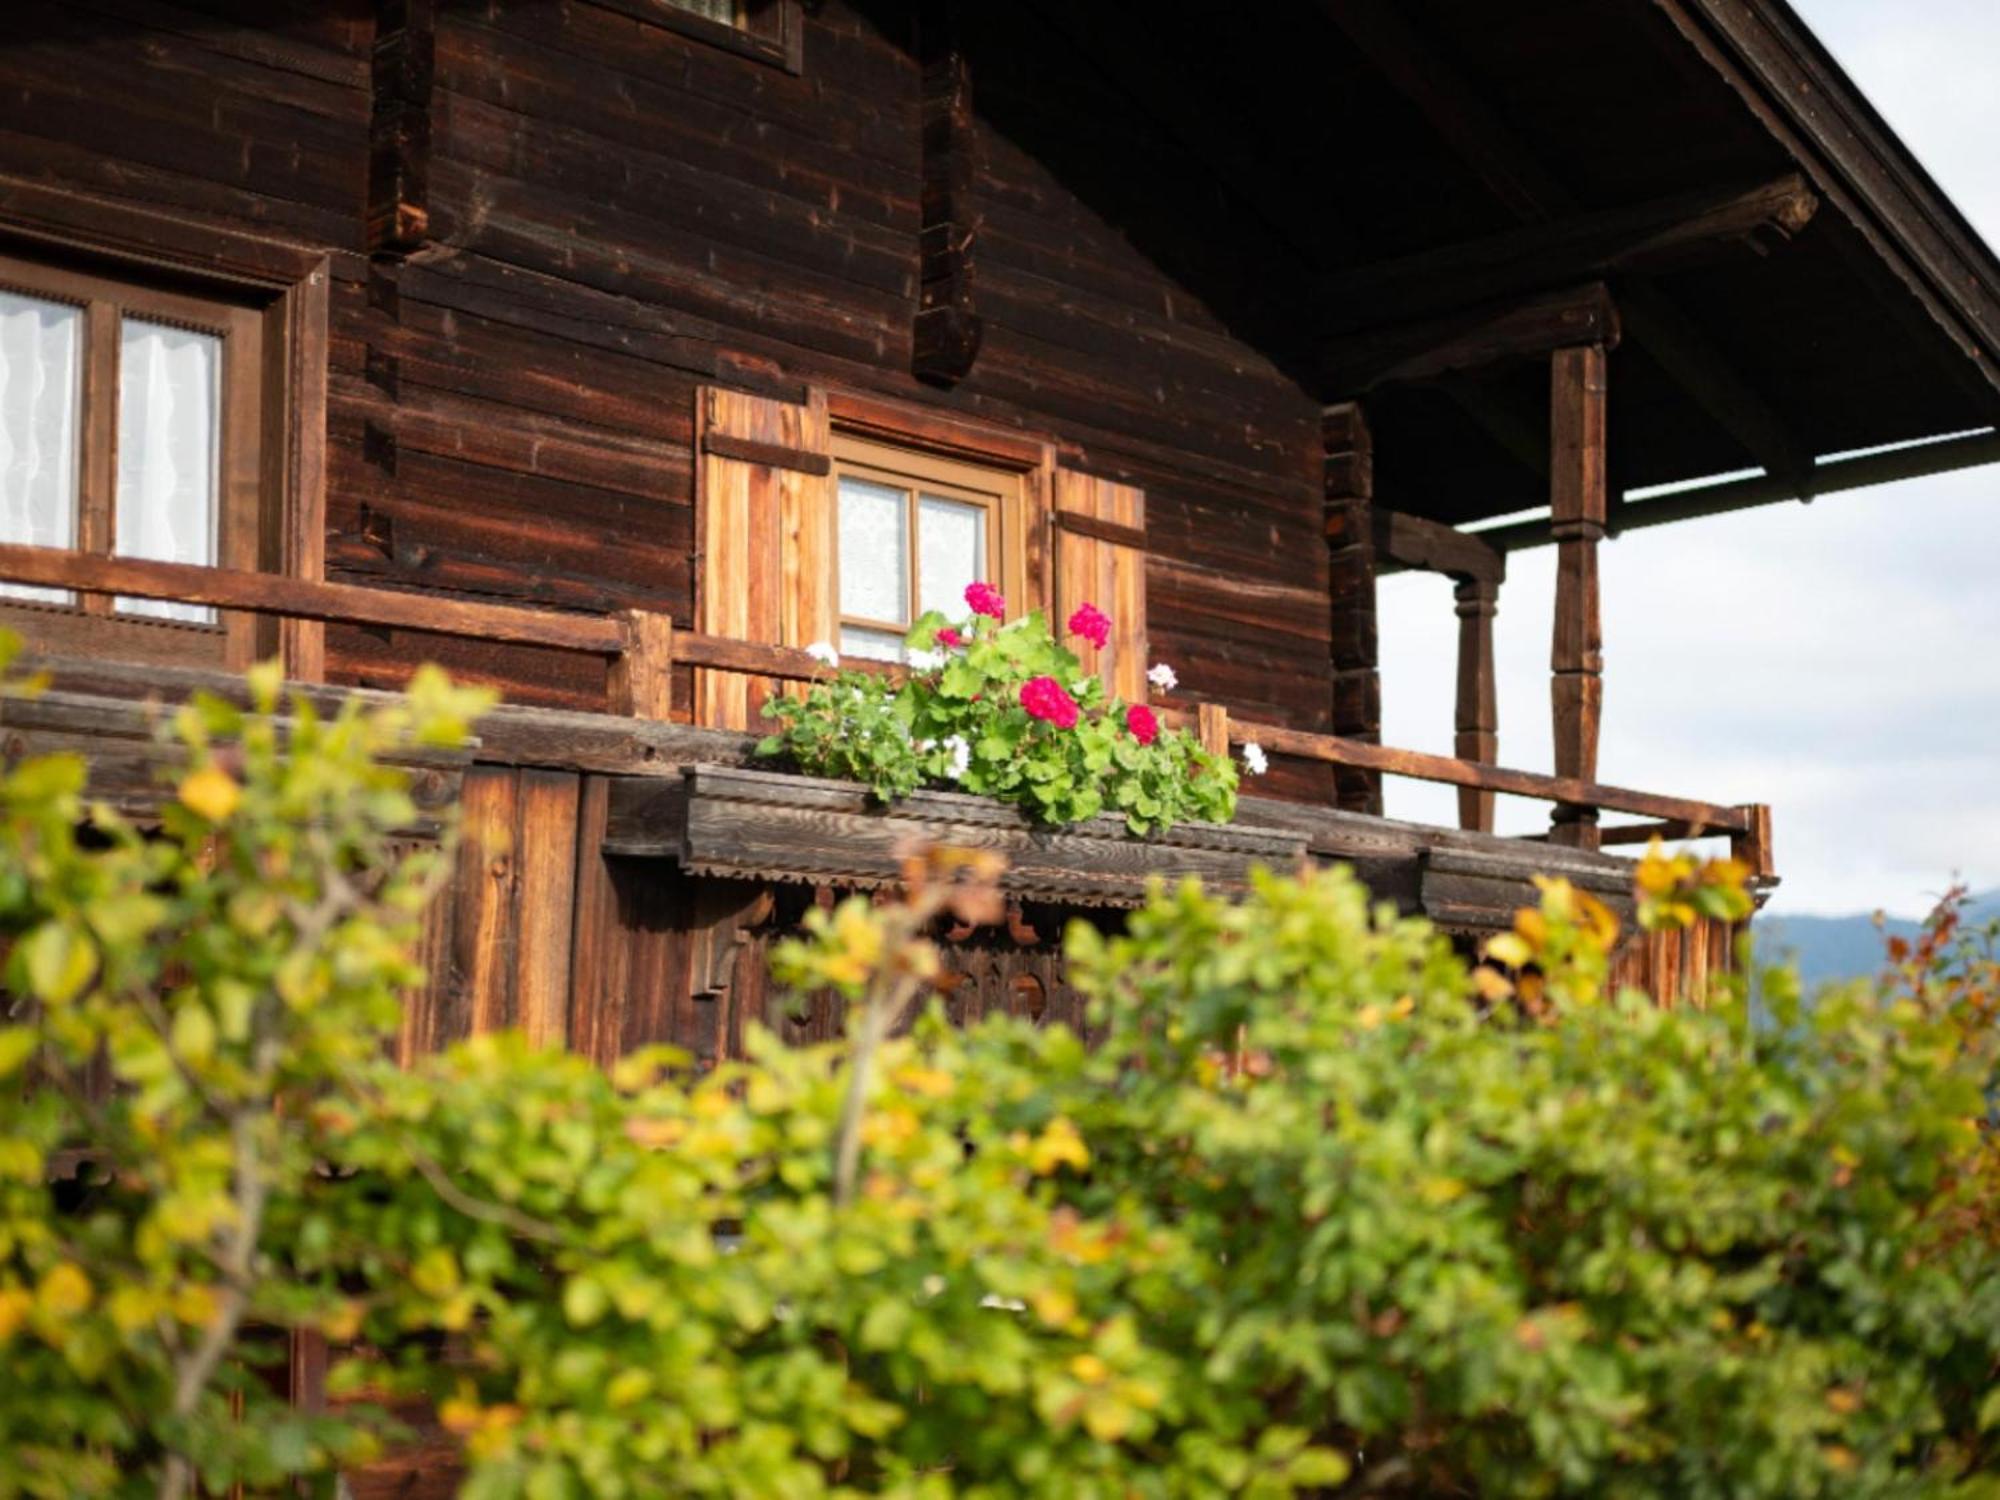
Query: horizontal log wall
{"points": [[614, 213]]}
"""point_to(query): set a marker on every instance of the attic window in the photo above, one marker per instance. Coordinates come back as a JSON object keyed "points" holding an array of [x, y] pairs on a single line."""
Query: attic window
{"points": [[769, 31]]}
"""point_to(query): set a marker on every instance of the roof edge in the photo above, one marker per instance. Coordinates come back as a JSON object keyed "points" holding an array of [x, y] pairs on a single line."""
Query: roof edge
{"points": [[1803, 96]]}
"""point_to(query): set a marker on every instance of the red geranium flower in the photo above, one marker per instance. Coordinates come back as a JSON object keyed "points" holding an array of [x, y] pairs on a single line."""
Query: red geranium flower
{"points": [[951, 638], [1092, 623], [984, 599], [1045, 698], [1139, 719]]}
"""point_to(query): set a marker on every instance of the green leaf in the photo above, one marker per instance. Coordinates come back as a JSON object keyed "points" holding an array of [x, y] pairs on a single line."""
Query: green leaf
{"points": [[60, 960]]}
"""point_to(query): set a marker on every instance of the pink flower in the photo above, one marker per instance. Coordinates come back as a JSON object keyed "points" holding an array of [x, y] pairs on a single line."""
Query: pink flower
{"points": [[950, 638], [1092, 623], [1139, 719], [1045, 699], [984, 599]]}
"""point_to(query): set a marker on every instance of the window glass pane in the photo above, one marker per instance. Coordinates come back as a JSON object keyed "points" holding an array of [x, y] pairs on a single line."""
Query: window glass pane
{"points": [[951, 541], [716, 10], [882, 645], [40, 393], [874, 551], [169, 439]]}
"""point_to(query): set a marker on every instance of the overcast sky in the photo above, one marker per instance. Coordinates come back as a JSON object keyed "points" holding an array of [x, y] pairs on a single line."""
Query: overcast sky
{"points": [[1839, 661]]}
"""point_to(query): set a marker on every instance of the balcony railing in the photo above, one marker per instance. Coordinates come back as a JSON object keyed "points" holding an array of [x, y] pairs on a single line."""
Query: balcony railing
{"points": [[642, 648]]}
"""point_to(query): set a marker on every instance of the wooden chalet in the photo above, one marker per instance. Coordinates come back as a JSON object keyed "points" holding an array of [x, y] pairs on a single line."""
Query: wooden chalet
{"points": [[611, 351]]}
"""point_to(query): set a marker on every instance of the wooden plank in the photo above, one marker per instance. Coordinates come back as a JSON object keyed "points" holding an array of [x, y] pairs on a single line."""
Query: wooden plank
{"points": [[1477, 710], [303, 598], [545, 904], [1479, 338], [768, 455], [484, 897], [1660, 235], [1096, 527], [766, 540], [1091, 568], [1577, 500], [600, 948]]}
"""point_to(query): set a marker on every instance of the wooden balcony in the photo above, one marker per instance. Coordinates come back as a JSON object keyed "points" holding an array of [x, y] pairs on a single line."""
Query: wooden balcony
{"points": [[640, 651], [643, 864]]}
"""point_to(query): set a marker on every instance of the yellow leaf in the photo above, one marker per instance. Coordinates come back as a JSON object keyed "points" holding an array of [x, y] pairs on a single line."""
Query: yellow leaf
{"points": [[1511, 949], [210, 792], [65, 1292], [1053, 1305], [14, 1305], [1059, 1145], [1089, 1369]]}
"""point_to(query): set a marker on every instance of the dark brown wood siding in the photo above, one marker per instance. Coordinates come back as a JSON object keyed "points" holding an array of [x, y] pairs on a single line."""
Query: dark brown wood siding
{"points": [[619, 213]]}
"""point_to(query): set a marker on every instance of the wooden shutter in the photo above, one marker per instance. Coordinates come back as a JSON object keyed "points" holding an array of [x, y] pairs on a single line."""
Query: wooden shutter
{"points": [[1100, 558], [765, 538]]}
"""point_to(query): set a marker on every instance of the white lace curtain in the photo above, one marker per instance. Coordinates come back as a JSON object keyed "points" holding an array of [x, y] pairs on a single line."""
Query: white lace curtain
{"points": [[169, 429], [40, 378]]}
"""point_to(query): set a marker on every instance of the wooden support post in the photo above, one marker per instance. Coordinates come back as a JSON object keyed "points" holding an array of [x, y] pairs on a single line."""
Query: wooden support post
{"points": [[1478, 716], [1350, 537], [1753, 848], [1212, 727], [1577, 511], [642, 674]]}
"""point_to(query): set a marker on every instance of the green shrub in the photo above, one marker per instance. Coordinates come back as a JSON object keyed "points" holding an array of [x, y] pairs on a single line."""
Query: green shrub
{"points": [[1320, 1211]]}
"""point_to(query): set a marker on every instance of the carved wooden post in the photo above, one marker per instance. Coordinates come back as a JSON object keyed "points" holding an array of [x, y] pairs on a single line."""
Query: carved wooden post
{"points": [[1350, 538], [1754, 847], [1478, 736], [1577, 509], [642, 675]]}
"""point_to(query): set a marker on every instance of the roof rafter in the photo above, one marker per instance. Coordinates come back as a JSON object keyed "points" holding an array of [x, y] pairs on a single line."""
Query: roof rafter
{"points": [[1523, 183]]}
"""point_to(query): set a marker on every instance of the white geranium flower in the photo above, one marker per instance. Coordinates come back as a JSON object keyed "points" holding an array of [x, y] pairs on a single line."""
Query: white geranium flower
{"points": [[1253, 758], [961, 757], [1162, 677], [925, 661], [823, 652]]}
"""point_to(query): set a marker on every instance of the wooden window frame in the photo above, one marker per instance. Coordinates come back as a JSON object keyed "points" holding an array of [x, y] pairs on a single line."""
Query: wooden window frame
{"points": [[288, 288], [90, 624], [772, 31], [1000, 492], [923, 433]]}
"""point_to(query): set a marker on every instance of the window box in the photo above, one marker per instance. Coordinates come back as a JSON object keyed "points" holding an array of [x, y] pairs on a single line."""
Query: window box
{"points": [[774, 825]]}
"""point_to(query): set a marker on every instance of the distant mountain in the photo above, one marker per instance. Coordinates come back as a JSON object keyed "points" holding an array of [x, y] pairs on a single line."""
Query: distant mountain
{"points": [[1834, 948]]}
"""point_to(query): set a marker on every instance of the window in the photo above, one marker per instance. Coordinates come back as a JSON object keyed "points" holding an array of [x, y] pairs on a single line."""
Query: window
{"points": [[769, 31], [911, 531], [129, 427]]}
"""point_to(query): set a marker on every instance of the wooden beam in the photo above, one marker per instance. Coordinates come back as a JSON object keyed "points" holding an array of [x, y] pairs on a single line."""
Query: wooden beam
{"points": [[1520, 181], [1972, 451], [1577, 503], [1657, 235], [1800, 95], [397, 212], [1419, 765], [1433, 547], [1685, 353], [1350, 535], [949, 328], [1479, 338], [1477, 717], [641, 684]]}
